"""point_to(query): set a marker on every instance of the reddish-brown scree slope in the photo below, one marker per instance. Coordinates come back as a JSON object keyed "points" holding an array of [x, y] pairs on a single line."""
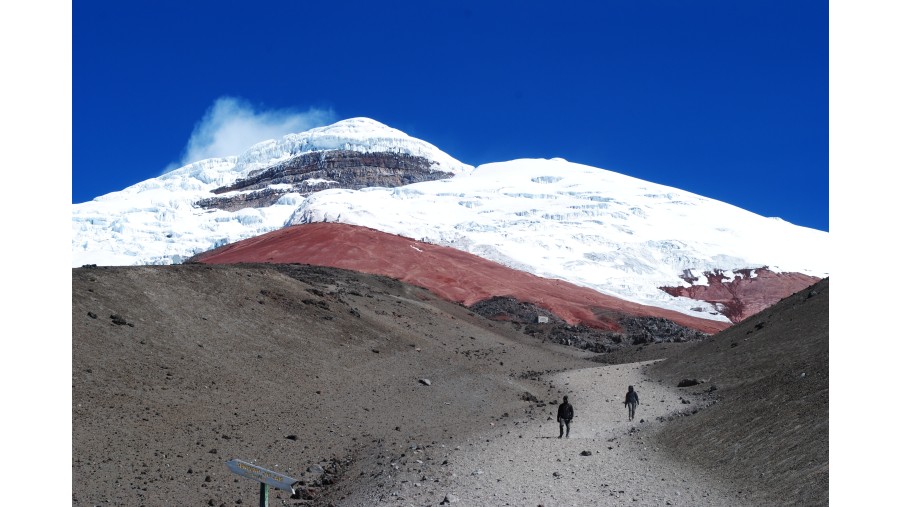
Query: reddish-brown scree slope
{"points": [[745, 295], [449, 273]]}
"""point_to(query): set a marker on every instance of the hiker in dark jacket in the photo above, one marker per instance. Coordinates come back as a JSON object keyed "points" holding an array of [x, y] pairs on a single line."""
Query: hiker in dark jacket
{"points": [[564, 416], [631, 401]]}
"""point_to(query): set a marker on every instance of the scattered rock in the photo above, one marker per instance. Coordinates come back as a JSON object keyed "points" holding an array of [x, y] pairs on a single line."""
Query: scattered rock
{"points": [[586, 453], [304, 494], [635, 330], [449, 498], [92, 315], [425, 381], [688, 382]]}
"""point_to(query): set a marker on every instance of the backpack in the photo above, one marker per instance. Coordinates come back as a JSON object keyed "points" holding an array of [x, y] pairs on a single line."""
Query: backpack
{"points": [[567, 412]]}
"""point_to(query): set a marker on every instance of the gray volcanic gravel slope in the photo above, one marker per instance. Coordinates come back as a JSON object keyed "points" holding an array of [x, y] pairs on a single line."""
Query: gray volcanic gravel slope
{"points": [[771, 380], [400, 397]]}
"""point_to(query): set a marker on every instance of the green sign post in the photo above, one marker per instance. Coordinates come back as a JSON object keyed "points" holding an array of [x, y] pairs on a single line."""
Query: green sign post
{"points": [[265, 477]]}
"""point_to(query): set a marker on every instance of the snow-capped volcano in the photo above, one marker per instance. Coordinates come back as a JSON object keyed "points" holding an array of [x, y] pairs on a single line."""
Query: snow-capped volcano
{"points": [[158, 221], [589, 226], [595, 228]]}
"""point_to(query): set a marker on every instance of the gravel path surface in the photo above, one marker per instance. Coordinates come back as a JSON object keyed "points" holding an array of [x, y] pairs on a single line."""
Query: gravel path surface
{"points": [[523, 462]]}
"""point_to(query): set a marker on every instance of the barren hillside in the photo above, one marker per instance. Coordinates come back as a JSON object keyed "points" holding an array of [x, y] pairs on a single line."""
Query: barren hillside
{"points": [[398, 395]]}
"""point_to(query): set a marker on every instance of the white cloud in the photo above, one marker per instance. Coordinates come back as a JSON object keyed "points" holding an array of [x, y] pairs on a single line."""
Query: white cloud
{"points": [[232, 125]]}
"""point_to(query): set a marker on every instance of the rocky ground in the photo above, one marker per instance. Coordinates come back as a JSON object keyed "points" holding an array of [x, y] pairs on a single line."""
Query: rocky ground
{"points": [[373, 392], [542, 324]]}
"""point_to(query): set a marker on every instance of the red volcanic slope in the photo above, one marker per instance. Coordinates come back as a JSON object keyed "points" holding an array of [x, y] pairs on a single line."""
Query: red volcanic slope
{"points": [[744, 296], [449, 273]]}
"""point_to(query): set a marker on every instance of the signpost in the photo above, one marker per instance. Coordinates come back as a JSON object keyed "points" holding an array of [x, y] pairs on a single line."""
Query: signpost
{"points": [[265, 477]]}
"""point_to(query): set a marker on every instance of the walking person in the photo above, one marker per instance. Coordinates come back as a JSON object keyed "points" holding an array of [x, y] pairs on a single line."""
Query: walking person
{"points": [[631, 401], [564, 416]]}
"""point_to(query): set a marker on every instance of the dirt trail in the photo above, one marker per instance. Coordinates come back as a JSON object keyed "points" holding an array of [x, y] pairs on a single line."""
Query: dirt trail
{"points": [[524, 463]]}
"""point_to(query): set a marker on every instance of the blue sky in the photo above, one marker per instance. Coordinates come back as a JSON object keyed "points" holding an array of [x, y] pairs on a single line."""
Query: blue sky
{"points": [[728, 100]]}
